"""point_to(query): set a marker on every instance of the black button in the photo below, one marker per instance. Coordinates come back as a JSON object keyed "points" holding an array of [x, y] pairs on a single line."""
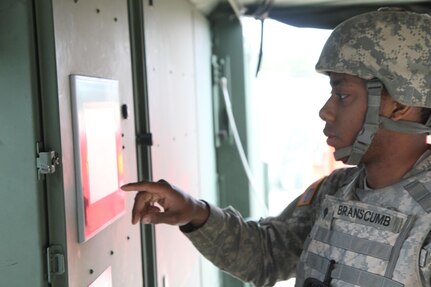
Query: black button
{"points": [[124, 111]]}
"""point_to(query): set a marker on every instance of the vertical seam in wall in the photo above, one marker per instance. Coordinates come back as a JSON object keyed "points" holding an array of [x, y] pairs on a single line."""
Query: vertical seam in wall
{"points": [[196, 124]]}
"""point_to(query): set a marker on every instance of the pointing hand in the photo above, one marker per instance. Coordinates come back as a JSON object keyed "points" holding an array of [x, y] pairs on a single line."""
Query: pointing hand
{"points": [[160, 202]]}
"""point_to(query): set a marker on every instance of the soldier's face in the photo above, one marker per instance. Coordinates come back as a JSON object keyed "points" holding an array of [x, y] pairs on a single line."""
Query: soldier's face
{"points": [[344, 112]]}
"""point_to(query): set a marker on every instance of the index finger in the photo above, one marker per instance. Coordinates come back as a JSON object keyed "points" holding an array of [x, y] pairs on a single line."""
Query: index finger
{"points": [[147, 186]]}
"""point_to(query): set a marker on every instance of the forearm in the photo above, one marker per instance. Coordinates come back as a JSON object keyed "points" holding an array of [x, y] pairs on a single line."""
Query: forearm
{"points": [[259, 253]]}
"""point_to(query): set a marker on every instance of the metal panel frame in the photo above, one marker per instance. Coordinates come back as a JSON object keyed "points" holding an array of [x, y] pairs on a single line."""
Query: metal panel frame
{"points": [[142, 127]]}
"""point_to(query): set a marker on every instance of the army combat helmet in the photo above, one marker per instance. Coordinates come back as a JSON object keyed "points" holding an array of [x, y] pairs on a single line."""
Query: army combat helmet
{"points": [[388, 48]]}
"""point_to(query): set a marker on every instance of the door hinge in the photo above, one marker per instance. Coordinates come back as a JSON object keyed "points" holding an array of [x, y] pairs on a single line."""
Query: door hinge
{"points": [[55, 261], [46, 161]]}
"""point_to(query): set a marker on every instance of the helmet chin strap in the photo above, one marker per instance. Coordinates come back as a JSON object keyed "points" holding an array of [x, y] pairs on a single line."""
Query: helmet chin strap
{"points": [[372, 122], [405, 126]]}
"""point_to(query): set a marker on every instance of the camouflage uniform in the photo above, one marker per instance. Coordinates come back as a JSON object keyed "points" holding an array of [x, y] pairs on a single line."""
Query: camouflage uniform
{"points": [[339, 231], [268, 251]]}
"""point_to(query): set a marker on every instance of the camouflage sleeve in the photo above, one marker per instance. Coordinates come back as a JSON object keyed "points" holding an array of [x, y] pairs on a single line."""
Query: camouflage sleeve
{"points": [[266, 251], [262, 252], [425, 261]]}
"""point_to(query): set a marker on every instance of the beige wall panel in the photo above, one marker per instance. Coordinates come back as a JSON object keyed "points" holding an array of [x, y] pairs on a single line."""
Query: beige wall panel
{"points": [[179, 88], [92, 38]]}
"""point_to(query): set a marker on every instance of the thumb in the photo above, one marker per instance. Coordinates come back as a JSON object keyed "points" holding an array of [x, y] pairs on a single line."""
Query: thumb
{"points": [[171, 218]]}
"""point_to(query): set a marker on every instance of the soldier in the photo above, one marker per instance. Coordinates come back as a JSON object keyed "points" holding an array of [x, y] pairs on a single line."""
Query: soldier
{"points": [[366, 225]]}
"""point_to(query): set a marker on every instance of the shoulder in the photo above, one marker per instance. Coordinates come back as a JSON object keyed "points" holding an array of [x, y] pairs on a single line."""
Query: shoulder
{"points": [[325, 185], [307, 197]]}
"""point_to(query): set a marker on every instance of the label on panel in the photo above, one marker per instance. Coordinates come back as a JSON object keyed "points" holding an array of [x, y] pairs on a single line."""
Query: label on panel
{"points": [[104, 280]]}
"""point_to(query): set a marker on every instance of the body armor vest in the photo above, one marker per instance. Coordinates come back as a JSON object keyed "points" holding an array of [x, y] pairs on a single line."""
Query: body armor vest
{"points": [[369, 238]]}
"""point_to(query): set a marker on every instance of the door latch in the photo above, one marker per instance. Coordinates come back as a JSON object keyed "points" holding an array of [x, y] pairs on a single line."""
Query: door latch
{"points": [[55, 261], [46, 161]]}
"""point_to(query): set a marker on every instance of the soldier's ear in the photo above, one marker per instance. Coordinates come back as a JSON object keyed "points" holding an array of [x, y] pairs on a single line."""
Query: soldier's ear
{"points": [[397, 111], [405, 113]]}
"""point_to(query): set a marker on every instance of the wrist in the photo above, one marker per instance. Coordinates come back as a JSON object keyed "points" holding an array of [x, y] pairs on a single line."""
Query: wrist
{"points": [[200, 214]]}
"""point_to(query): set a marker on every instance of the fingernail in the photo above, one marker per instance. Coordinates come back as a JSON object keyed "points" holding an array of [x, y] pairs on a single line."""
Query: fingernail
{"points": [[145, 220]]}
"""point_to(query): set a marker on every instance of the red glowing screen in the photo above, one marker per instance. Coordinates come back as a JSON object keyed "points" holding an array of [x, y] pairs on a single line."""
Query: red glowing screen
{"points": [[98, 153]]}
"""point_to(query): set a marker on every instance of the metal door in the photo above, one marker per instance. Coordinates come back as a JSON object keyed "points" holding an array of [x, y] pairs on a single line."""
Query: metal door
{"points": [[23, 235]]}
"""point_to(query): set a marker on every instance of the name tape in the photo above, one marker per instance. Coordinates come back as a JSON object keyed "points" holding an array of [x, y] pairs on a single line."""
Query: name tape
{"points": [[369, 217]]}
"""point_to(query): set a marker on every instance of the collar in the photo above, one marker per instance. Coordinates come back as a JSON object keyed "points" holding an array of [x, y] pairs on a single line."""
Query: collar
{"points": [[421, 165]]}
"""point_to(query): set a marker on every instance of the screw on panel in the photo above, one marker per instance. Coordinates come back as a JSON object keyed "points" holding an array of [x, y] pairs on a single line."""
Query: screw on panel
{"points": [[112, 252], [128, 237], [97, 10], [91, 271], [115, 19], [76, 1]]}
